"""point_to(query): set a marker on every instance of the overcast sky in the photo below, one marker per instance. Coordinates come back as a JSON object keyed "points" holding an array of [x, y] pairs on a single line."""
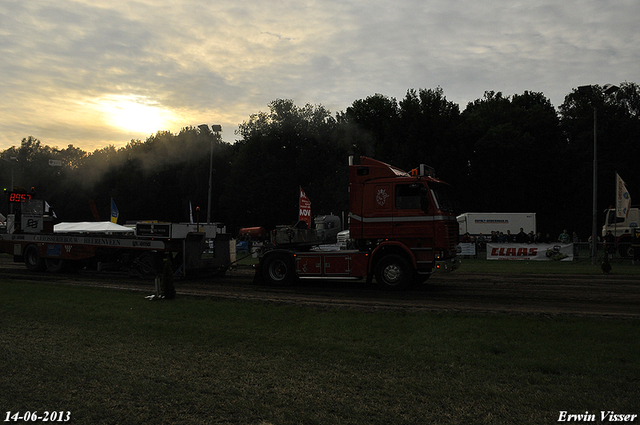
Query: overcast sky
{"points": [[94, 73]]}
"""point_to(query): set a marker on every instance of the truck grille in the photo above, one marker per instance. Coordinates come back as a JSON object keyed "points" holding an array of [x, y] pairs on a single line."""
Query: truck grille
{"points": [[452, 234]]}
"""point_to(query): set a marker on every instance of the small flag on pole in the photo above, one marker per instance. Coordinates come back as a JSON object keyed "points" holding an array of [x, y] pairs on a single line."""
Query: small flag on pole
{"points": [[48, 209], [114, 212]]}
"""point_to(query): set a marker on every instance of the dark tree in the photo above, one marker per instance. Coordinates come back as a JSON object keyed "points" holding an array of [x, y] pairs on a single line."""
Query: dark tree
{"points": [[618, 144], [429, 130], [500, 154], [281, 150], [373, 128], [513, 164]]}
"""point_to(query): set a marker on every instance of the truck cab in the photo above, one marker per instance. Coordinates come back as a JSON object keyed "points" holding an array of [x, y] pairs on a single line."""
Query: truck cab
{"points": [[402, 225], [327, 228], [410, 211]]}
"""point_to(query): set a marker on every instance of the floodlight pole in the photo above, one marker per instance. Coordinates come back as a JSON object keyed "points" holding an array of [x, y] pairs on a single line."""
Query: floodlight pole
{"points": [[594, 207], [607, 89], [216, 131]]}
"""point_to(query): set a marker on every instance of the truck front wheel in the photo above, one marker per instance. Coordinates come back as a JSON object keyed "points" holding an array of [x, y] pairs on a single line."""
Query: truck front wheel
{"points": [[278, 269], [393, 273]]}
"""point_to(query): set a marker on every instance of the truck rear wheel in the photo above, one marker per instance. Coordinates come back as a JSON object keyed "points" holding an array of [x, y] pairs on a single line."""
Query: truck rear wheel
{"points": [[33, 260], [393, 273], [278, 269]]}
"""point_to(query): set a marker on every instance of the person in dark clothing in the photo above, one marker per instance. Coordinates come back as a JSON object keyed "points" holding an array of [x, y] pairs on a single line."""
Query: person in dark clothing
{"points": [[522, 237], [610, 244]]}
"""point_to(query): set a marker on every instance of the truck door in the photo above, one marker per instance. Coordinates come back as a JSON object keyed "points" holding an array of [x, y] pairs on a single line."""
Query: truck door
{"points": [[411, 217], [377, 211]]}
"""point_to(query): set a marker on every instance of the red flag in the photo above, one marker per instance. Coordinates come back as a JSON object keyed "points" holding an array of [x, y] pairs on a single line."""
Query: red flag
{"points": [[305, 208]]}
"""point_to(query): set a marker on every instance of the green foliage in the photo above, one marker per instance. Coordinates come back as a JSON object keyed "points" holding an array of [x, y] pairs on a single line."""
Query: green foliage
{"points": [[287, 148], [501, 153]]}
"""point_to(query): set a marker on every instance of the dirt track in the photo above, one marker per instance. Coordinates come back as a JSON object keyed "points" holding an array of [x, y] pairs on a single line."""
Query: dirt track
{"points": [[584, 295]]}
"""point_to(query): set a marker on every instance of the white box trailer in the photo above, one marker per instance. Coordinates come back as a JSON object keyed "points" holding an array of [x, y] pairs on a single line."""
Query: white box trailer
{"points": [[481, 222]]}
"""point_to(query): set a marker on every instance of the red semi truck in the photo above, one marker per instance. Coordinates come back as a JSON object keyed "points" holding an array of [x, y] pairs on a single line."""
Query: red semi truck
{"points": [[402, 224]]}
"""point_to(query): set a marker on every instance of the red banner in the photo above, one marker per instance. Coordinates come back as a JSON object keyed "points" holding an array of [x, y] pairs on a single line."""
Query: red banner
{"points": [[305, 209]]}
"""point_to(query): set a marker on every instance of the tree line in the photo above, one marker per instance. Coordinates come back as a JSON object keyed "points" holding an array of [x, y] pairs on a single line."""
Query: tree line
{"points": [[500, 154]]}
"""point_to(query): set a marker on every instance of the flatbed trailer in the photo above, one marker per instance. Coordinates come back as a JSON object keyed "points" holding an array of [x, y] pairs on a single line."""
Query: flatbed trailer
{"points": [[192, 248]]}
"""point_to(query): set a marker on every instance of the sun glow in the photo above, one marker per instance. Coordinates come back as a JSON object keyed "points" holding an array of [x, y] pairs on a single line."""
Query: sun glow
{"points": [[134, 113]]}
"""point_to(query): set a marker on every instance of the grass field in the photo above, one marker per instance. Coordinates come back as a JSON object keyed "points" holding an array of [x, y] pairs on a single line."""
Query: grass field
{"points": [[113, 357]]}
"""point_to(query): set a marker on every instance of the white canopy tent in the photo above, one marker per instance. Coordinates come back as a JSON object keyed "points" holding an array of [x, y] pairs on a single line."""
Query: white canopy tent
{"points": [[92, 227]]}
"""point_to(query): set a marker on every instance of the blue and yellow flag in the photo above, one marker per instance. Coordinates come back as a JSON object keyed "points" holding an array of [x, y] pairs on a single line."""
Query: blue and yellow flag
{"points": [[114, 212]]}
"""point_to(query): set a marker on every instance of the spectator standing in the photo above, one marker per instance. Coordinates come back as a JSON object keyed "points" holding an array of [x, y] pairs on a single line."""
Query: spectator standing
{"points": [[538, 238], [610, 244], [522, 237], [481, 242], [509, 237], [564, 237], [576, 245]]}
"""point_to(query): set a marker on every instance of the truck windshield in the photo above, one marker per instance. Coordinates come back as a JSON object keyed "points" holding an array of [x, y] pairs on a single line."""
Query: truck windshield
{"points": [[440, 193]]}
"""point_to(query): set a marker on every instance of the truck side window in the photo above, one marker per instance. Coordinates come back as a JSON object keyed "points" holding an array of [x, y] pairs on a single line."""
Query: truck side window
{"points": [[411, 197]]}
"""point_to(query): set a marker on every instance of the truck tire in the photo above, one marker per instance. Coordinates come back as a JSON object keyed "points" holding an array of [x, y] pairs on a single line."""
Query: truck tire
{"points": [[33, 260], [393, 273], [278, 269]]}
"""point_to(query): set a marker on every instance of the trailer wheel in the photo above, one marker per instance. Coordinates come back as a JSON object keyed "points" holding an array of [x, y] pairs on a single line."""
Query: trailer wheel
{"points": [[54, 265], [278, 269], [33, 260], [393, 273]]}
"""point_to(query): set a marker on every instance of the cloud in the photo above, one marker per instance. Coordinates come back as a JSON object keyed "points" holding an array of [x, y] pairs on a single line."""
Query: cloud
{"points": [[219, 62]]}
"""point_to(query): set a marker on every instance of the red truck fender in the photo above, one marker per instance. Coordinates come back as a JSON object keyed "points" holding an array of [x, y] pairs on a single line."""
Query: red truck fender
{"points": [[394, 246]]}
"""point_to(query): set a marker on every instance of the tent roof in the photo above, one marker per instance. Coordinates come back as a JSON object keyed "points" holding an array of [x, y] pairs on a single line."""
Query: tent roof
{"points": [[91, 227]]}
